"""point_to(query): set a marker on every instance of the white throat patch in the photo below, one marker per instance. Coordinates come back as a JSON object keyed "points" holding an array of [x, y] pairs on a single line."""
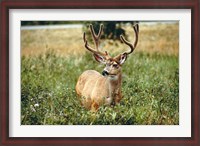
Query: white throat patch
{"points": [[113, 77]]}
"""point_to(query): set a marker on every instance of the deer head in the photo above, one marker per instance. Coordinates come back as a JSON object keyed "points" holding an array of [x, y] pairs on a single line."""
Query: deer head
{"points": [[113, 64]]}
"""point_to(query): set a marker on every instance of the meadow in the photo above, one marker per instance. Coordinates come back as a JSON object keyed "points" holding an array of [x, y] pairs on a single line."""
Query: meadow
{"points": [[52, 60]]}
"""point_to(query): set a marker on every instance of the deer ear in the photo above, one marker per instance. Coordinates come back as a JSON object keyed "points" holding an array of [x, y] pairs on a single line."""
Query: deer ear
{"points": [[122, 58], [99, 58]]}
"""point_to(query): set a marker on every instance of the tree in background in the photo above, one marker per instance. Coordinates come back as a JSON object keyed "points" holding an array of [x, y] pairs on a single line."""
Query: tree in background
{"points": [[112, 29]]}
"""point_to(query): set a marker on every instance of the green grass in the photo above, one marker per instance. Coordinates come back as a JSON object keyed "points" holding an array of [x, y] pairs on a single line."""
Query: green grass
{"points": [[150, 91]]}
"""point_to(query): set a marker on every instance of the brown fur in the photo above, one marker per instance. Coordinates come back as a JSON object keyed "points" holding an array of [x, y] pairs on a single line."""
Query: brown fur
{"points": [[95, 89]]}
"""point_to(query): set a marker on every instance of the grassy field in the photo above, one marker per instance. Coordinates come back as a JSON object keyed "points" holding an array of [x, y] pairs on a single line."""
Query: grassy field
{"points": [[52, 61]]}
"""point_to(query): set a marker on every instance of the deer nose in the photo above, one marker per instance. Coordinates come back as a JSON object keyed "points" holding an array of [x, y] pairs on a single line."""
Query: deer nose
{"points": [[105, 73]]}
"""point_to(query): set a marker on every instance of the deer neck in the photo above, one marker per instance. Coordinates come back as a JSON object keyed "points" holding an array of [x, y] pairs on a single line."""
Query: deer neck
{"points": [[114, 84]]}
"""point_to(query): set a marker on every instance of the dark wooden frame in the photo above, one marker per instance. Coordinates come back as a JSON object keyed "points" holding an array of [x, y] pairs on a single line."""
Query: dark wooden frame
{"points": [[194, 5]]}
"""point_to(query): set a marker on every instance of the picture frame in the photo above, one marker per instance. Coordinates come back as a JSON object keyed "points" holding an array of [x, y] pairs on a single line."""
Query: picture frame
{"points": [[89, 4]]}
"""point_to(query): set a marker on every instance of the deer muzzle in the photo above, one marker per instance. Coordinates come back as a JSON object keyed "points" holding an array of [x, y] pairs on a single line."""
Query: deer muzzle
{"points": [[105, 73]]}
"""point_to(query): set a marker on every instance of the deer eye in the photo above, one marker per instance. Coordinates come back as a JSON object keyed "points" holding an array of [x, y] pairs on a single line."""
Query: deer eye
{"points": [[115, 65]]}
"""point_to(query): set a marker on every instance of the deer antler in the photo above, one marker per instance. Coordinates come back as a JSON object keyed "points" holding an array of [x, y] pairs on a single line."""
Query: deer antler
{"points": [[132, 46], [96, 39]]}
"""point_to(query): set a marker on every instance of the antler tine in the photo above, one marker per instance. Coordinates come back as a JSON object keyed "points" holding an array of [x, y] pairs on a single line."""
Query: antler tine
{"points": [[87, 46], [95, 36], [96, 40], [132, 46]]}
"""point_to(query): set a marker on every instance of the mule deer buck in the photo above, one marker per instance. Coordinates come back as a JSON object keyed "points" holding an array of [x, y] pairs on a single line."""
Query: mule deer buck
{"points": [[96, 89]]}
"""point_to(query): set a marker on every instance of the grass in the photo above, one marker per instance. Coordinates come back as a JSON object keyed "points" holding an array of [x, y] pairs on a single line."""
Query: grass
{"points": [[150, 85], [150, 89]]}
